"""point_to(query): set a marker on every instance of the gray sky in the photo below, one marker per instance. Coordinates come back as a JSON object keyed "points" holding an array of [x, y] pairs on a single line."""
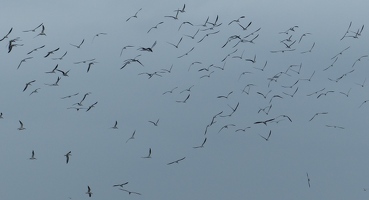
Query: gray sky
{"points": [[232, 164]]}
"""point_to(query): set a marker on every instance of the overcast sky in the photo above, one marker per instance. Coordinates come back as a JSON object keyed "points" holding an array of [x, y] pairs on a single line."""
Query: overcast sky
{"points": [[282, 105]]}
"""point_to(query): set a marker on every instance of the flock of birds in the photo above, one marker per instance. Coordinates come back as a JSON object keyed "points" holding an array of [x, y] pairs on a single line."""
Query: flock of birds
{"points": [[274, 84]]}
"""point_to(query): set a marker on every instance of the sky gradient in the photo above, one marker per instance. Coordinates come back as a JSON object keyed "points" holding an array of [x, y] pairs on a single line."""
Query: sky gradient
{"points": [[311, 98]]}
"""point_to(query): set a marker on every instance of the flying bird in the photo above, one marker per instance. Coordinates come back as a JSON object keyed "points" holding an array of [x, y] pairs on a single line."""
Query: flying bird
{"points": [[135, 15], [201, 146], [78, 46], [176, 161], [21, 126], [93, 105], [89, 191], [33, 156], [155, 123], [28, 84], [115, 125], [266, 138], [6, 36], [23, 60], [51, 52], [148, 156], [67, 156], [132, 137], [120, 185]]}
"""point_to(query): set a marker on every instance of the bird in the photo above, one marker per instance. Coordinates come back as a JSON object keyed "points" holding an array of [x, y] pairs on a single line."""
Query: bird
{"points": [[115, 125], [125, 47], [28, 84], [56, 82], [34, 91], [130, 192], [120, 185], [225, 126], [135, 15], [51, 52], [148, 156], [78, 46], [308, 179], [67, 156], [23, 60], [176, 161], [185, 23], [156, 26], [60, 58], [316, 114], [170, 91], [176, 45], [33, 155], [244, 27], [186, 52], [6, 36], [132, 137], [222, 96], [181, 10], [53, 71], [89, 191], [42, 31], [69, 96], [1, 116], [64, 73], [174, 17], [90, 64], [155, 123], [184, 101], [33, 30], [303, 35], [264, 122], [97, 35], [193, 36], [266, 138], [35, 49], [149, 49], [93, 105], [236, 20], [21, 126], [201, 146]]}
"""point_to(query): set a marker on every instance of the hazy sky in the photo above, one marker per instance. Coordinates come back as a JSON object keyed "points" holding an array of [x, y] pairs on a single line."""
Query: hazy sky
{"points": [[319, 83]]}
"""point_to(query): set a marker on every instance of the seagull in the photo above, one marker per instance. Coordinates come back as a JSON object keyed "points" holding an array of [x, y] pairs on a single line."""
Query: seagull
{"points": [[33, 30], [78, 46], [201, 146], [184, 101], [316, 114], [1, 116], [67, 156], [182, 10], [149, 49], [54, 84], [53, 71], [34, 91], [308, 179], [176, 45], [186, 52], [130, 192], [193, 36], [125, 47], [155, 123], [69, 96], [89, 191], [155, 26], [51, 52], [266, 138], [236, 20], [23, 60], [135, 16], [60, 58], [6, 36], [63, 72], [149, 156], [115, 125], [42, 31], [35, 49], [121, 185], [21, 126], [226, 126], [33, 156], [93, 105], [185, 23], [28, 84], [132, 137], [176, 161], [97, 35], [170, 91]]}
